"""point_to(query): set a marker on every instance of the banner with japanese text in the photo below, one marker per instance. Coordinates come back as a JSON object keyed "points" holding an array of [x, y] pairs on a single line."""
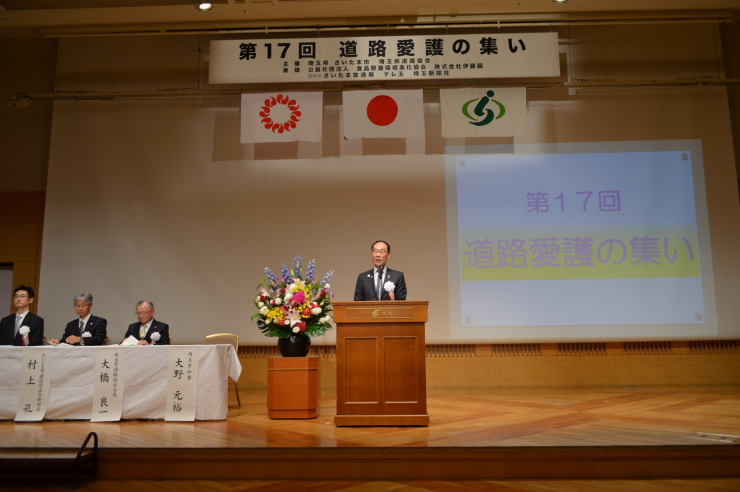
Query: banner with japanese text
{"points": [[182, 383], [368, 59], [481, 112], [34, 384], [107, 405]]}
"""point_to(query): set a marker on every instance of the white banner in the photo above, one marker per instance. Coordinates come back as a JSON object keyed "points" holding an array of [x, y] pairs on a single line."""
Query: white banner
{"points": [[282, 117], [34, 384], [182, 385], [383, 114], [482, 112], [367, 59], [107, 404]]}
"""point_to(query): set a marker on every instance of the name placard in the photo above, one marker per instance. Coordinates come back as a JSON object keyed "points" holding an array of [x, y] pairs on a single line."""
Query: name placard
{"points": [[107, 405], [34, 384], [368, 59], [182, 384]]}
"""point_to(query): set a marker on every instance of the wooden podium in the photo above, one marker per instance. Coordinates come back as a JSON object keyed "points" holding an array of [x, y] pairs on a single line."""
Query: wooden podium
{"points": [[381, 363]]}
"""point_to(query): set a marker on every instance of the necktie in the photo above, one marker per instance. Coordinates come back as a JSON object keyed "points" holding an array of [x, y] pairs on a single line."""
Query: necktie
{"points": [[82, 327], [380, 282], [18, 321], [142, 332]]}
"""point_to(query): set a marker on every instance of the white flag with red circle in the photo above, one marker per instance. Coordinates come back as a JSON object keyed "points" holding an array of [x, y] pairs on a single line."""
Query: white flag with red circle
{"points": [[383, 114], [282, 117]]}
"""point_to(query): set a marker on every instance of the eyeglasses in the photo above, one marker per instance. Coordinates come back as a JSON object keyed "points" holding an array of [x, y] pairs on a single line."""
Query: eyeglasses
{"points": [[381, 251], [138, 314], [81, 305], [20, 296]]}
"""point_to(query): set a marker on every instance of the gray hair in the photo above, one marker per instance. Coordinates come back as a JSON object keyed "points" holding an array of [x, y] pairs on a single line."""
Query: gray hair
{"points": [[84, 296], [141, 303]]}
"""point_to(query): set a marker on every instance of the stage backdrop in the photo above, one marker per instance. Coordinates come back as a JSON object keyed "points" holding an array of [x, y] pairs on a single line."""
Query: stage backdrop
{"points": [[157, 199]]}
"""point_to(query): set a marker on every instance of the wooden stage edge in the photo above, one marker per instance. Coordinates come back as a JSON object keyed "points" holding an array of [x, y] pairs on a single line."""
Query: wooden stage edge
{"points": [[611, 432], [588, 462]]}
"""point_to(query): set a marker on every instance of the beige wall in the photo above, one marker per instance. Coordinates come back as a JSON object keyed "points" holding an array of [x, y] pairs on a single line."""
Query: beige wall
{"points": [[158, 199]]}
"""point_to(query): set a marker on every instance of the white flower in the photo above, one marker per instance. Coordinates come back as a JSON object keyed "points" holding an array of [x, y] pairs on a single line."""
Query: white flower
{"points": [[261, 304], [278, 301], [264, 310], [389, 286], [87, 334], [316, 310], [327, 286], [293, 287], [268, 321], [24, 330], [288, 296], [257, 300], [296, 329], [155, 336]]}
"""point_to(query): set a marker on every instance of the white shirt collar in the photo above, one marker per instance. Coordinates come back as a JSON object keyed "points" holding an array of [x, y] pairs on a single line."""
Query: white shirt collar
{"points": [[85, 320]]}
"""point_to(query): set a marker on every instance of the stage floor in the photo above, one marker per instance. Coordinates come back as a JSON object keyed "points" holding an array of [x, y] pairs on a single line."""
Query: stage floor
{"points": [[460, 417]]}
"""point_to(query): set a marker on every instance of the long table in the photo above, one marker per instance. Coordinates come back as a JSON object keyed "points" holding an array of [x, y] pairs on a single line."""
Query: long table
{"points": [[144, 382]]}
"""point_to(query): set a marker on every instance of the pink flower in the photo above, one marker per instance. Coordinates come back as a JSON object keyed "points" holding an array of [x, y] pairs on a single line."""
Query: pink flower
{"points": [[299, 298]]}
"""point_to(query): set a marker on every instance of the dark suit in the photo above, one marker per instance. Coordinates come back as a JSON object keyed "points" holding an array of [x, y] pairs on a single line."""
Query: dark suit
{"points": [[365, 290], [95, 326], [157, 326], [35, 336]]}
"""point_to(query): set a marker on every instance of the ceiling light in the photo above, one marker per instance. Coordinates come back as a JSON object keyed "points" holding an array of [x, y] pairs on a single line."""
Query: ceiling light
{"points": [[203, 6], [560, 1]]}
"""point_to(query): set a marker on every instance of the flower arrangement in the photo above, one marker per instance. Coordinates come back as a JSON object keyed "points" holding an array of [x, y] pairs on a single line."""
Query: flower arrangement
{"points": [[292, 303]]}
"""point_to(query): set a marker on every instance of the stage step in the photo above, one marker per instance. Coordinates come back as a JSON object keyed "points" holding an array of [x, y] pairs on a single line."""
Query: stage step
{"points": [[407, 463]]}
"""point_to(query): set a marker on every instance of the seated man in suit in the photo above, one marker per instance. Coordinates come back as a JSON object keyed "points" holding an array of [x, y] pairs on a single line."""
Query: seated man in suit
{"points": [[371, 285], [22, 328], [148, 330], [86, 329]]}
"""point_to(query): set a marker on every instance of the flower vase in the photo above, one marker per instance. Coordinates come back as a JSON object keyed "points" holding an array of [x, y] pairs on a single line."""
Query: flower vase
{"points": [[297, 345]]}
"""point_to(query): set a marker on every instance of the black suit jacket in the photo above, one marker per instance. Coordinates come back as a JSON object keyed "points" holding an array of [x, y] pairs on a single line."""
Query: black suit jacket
{"points": [[97, 327], [157, 326], [35, 336], [365, 289]]}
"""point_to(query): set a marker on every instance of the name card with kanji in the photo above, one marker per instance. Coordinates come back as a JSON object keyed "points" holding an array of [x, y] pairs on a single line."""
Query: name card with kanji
{"points": [[182, 384], [107, 404], [34, 384], [369, 59]]}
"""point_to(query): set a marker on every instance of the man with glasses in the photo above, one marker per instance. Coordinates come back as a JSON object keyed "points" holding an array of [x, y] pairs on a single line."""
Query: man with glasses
{"points": [[22, 328], [381, 283], [148, 330], [87, 330]]}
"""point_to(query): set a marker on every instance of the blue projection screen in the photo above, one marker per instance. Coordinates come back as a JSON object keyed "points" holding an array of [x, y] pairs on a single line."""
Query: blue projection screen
{"points": [[579, 241]]}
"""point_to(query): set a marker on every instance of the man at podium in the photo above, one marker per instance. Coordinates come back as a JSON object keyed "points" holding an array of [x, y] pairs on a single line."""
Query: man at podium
{"points": [[381, 283]]}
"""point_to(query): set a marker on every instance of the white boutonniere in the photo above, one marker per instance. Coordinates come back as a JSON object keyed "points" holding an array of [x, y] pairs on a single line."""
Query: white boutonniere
{"points": [[24, 331], [155, 337], [390, 288]]}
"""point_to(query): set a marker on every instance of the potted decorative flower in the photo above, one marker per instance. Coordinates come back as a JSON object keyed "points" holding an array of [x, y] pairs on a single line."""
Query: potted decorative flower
{"points": [[294, 308]]}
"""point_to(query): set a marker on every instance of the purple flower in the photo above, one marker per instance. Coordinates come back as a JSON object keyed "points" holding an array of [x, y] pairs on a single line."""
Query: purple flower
{"points": [[309, 270], [297, 266], [326, 279], [270, 275]]}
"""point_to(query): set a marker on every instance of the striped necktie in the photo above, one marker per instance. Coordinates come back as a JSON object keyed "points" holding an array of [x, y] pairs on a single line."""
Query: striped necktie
{"points": [[82, 327], [380, 282], [18, 321], [142, 332]]}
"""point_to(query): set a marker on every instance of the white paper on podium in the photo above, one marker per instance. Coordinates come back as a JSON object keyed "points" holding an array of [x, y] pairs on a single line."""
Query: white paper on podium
{"points": [[107, 403], [182, 384], [34, 384]]}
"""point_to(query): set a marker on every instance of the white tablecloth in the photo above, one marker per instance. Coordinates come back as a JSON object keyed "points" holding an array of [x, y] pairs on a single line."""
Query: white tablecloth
{"points": [[145, 381]]}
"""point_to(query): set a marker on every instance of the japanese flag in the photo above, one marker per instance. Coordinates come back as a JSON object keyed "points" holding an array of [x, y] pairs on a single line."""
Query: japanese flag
{"points": [[282, 117], [383, 114]]}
